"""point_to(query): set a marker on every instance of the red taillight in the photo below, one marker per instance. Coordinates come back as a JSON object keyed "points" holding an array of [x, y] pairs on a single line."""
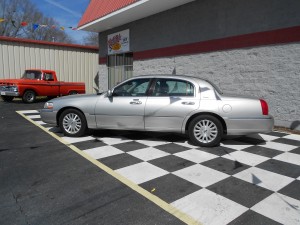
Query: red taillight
{"points": [[264, 107]]}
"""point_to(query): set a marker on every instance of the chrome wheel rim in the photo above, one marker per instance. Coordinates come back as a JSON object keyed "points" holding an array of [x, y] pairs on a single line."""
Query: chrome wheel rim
{"points": [[205, 131], [72, 123], [29, 96]]}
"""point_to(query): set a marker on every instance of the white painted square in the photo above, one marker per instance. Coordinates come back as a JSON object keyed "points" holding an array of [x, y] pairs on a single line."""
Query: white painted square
{"points": [[34, 116], [196, 156], [152, 142], [295, 137], [289, 158], [278, 146], [29, 111], [235, 145], [147, 154], [39, 122], [246, 158], [264, 178], [114, 140], [201, 175], [103, 152], [141, 172], [72, 140], [209, 208], [280, 208]]}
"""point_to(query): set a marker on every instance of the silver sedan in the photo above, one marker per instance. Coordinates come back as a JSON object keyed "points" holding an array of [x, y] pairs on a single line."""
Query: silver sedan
{"points": [[163, 103]]}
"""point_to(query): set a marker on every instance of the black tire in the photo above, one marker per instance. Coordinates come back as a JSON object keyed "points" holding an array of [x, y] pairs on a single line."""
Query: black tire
{"points": [[7, 98], [29, 96], [205, 131], [73, 123], [73, 93]]}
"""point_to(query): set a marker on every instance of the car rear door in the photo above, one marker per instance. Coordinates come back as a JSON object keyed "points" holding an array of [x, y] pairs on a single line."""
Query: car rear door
{"points": [[169, 103], [125, 108]]}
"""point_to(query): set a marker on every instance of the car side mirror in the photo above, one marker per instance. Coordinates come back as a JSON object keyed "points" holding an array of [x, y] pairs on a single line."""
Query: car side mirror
{"points": [[109, 93]]}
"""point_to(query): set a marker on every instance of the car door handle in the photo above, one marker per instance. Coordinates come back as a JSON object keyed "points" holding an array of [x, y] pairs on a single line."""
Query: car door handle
{"points": [[135, 102], [188, 103]]}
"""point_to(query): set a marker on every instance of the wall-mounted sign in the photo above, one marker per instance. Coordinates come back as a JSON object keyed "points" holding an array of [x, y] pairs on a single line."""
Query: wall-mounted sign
{"points": [[118, 42]]}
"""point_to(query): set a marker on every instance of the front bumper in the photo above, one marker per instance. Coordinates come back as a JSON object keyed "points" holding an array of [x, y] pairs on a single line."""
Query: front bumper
{"points": [[10, 93], [49, 116], [249, 125]]}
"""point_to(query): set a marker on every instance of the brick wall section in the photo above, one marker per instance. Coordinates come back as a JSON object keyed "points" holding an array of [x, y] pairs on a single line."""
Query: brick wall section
{"points": [[269, 72]]}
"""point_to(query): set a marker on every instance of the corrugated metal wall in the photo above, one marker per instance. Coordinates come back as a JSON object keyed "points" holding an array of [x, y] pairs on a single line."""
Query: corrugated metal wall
{"points": [[71, 62]]}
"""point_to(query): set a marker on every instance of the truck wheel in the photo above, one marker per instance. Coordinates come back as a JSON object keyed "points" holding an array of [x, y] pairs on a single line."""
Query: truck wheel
{"points": [[29, 96], [73, 93], [73, 123], [205, 131], [7, 98]]}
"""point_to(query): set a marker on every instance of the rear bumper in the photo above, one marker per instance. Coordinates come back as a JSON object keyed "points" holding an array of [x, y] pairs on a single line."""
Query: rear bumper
{"points": [[248, 126], [49, 116], [10, 93]]}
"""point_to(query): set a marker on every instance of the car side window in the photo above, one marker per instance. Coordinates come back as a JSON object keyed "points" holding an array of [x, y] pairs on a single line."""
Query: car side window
{"points": [[136, 87], [173, 87]]}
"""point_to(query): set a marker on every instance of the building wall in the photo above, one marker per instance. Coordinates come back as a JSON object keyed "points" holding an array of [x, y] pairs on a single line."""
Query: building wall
{"points": [[204, 20], [70, 63], [269, 72], [264, 65]]}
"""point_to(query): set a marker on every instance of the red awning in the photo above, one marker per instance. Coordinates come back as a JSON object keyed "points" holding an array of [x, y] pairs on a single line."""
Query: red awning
{"points": [[100, 8]]}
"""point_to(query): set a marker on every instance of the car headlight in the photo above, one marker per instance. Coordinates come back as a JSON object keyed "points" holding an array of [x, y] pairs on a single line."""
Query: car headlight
{"points": [[48, 105], [14, 88]]}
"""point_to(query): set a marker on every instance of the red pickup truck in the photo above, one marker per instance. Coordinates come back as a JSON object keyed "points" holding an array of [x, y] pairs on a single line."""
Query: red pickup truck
{"points": [[36, 82]]}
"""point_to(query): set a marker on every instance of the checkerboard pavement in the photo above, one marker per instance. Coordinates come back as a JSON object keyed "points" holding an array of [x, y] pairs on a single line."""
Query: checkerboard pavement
{"points": [[246, 180]]}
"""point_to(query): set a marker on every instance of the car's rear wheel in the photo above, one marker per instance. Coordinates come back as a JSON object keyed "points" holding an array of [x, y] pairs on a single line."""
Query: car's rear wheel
{"points": [[73, 123], [7, 98], [29, 96], [205, 131]]}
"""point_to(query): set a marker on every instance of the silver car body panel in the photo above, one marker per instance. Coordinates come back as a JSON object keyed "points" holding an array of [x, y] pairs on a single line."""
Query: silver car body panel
{"points": [[170, 113]]}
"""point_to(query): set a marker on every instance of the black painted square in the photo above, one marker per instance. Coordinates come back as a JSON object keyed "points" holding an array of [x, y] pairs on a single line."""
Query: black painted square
{"points": [[130, 146], [171, 163], [250, 217], [240, 191], [292, 190], [119, 161], [225, 165], [170, 187], [283, 168], [259, 150], [171, 148]]}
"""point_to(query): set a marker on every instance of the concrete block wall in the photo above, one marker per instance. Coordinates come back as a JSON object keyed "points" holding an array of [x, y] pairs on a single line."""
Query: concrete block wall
{"points": [[269, 72]]}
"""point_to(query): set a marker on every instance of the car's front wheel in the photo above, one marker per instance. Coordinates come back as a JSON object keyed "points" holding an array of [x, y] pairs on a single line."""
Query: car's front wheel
{"points": [[205, 131], [73, 123]]}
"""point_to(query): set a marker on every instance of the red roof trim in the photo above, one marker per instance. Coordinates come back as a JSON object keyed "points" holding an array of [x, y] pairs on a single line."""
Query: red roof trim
{"points": [[280, 36], [22, 40], [100, 8]]}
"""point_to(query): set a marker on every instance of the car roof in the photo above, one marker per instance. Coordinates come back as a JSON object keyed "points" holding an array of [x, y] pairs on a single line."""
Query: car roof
{"points": [[171, 76]]}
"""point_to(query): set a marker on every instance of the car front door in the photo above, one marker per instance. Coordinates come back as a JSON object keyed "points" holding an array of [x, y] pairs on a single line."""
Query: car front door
{"points": [[169, 103], [125, 108]]}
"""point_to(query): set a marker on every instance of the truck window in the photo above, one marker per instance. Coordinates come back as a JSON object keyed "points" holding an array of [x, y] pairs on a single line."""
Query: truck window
{"points": [[48, 77], [32, 75]]}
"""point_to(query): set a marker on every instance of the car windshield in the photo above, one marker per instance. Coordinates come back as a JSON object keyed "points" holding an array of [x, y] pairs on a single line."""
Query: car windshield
{"points": [[32, 75]]}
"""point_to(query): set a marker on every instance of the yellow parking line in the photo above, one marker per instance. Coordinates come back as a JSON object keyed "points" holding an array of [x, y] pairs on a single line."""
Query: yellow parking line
{"points": [[162, 204]]}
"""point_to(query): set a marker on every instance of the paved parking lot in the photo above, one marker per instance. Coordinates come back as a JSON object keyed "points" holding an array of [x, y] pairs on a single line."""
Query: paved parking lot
{"points": [[246, 180]]}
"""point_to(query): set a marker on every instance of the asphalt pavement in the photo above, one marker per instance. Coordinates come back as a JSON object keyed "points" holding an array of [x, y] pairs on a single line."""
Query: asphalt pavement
{"points": [[43, 182]]}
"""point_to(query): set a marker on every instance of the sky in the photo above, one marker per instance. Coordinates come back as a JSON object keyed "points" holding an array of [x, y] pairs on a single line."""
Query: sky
{"points": [[66, 12]]}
